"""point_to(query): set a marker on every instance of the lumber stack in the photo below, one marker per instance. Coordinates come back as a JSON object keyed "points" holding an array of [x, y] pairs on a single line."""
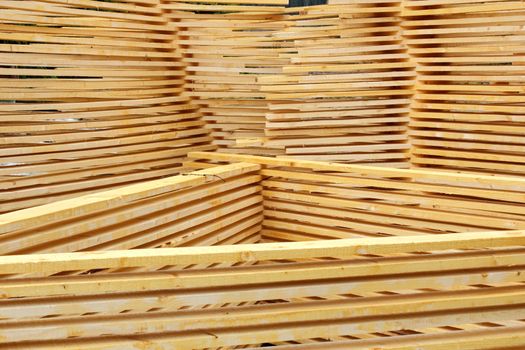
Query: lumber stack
{"points": [[374, 293], [80, 274], [344, 95], [227, 45], [468, 110], [90, 98], [222, 205], [310, 200]]}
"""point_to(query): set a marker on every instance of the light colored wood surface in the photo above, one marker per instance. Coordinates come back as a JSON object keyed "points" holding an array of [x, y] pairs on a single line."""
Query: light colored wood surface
{"points": [[467, 112], [91, 98], [310, 200], [311, 289], [344, 94], [225, 54], [128, 90], [198, 208], [81, 274], [99, 95]]}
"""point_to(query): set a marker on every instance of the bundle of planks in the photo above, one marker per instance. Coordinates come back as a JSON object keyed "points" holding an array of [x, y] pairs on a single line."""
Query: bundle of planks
{"points": [[466, 291], [222, 205], [227, 45], [90, 98], [310, 200], [344, 95], [468, 110], [97, 94], [79, 274]]}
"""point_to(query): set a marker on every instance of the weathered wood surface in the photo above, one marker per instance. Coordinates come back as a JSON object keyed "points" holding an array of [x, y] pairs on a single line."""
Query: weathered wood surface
{"points": [[359, 293]]}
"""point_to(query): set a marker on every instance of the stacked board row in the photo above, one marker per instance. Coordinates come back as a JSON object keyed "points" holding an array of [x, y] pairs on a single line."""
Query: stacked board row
{"points": [[311, 200], [91, 97], [220, 206], [466, 292], [418, 286], [344, 95], [97, 94], [216, 206], [227, 45], [468, 111]]}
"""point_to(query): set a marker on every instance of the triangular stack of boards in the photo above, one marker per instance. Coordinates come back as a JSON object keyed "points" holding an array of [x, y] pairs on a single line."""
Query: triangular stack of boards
{"points": [[91, 99], [469, 108]]}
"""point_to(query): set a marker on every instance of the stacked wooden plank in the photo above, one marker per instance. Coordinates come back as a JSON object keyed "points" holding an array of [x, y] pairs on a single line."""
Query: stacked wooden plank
{"points": [[227, 45], [90, 98], [468, 113], [344, 96], [212, 207], [466, 293], [222, 205], [417, 287], [310, 200]]}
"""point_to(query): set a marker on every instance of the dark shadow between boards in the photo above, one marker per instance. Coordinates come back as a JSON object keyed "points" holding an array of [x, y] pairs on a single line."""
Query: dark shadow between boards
{"points": [[295, 3]]}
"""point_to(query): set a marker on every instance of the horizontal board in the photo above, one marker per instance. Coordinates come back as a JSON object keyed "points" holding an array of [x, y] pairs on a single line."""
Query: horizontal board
{"points": [[147, 301]]}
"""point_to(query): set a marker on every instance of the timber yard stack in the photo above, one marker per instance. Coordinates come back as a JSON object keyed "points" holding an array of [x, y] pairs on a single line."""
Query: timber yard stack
{"points": [[311, 200], [346, 92], [122, 228], [469, 106], [227, 45], [92, 97], [410, 290], [200, 208], [372, 294]]}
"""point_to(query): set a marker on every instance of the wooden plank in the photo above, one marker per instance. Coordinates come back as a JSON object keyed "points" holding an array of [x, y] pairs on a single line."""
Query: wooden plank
{"points": [[474, 180], [233, 254]]}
